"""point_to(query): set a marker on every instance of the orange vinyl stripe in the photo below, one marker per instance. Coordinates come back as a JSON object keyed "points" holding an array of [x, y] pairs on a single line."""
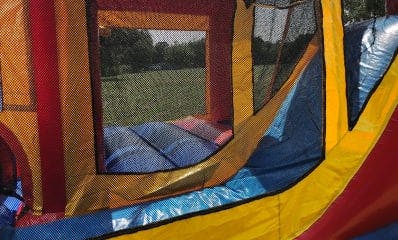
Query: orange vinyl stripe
{"points": [[149, 20]]}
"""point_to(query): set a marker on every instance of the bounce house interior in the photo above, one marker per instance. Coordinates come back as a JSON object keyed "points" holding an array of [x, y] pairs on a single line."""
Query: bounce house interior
{"points": [[198, 119]]}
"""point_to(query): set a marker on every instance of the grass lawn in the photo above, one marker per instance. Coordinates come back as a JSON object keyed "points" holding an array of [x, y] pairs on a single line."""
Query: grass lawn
{"points": [[132, 99], [262, 81]]}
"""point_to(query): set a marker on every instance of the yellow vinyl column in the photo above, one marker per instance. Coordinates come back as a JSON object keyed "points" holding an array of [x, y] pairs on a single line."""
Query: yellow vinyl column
{"points": [[336, 102]]}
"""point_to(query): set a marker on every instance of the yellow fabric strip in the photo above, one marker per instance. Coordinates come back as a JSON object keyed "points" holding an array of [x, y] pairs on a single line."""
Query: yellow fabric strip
{"points": [[242, 76], [75, 88], [336, 103]]}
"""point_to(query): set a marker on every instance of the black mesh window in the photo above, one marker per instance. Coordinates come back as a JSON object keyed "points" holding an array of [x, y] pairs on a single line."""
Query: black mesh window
{"points": [[268, 31], [152, 75], [280, 38], [155, 94], [301, 29]]}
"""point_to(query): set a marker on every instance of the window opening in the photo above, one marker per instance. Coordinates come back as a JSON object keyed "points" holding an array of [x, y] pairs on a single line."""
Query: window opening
{"points": [[152, 75], [280, 38], [157, 95], [11, 200]]}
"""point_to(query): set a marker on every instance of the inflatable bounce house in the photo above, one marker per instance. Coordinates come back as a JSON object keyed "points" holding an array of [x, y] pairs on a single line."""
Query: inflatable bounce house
{"points": [[198, 119]]}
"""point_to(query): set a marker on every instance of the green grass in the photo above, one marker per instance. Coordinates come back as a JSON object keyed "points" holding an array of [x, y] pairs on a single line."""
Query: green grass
{"points": [[262, 81], [131, 99]]}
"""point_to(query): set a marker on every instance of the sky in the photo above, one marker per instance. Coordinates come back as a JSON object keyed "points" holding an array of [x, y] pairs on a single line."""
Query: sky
{"points": [[172, 36], [270, 23]]}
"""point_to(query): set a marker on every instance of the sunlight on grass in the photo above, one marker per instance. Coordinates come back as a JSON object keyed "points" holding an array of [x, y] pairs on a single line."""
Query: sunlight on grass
{"points": [[132, 99]]}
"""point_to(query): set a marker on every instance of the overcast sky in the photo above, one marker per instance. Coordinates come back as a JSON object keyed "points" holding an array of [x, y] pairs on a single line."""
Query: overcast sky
{"points": [[270, 23], [172, 36]]}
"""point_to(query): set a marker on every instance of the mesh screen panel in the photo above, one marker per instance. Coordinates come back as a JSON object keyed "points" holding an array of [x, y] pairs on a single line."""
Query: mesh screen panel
{"points": [[301, 29], [158, 80], [268, 32], [280, 38], [276, 3], [152, 75]]}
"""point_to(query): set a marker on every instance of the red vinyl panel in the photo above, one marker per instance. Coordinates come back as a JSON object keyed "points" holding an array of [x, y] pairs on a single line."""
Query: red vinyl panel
{"points": [[392, 7], [45, 73]]}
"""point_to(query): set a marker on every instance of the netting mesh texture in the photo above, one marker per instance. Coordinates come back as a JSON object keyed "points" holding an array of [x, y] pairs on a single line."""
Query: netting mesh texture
{"points": [[280, 38], [152, 75], [154, 90]]}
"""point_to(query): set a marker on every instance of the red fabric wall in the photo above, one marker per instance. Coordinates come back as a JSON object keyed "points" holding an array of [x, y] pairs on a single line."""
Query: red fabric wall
{"points": [[45, 73], [392, 7]]}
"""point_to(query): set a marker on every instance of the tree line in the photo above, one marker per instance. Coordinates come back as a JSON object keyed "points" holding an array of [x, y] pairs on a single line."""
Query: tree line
{"points": [[266, 52], [133, 50], [359, 10]]}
